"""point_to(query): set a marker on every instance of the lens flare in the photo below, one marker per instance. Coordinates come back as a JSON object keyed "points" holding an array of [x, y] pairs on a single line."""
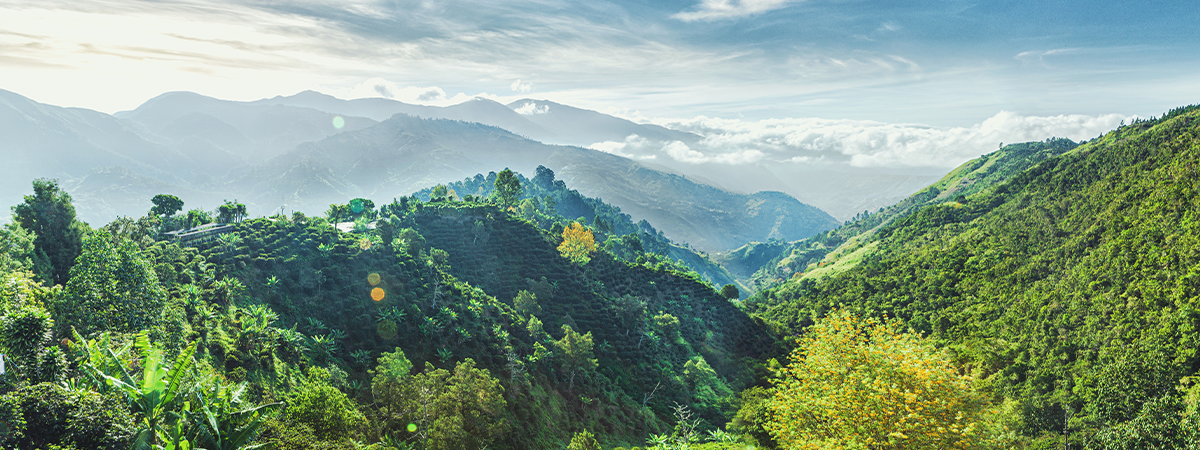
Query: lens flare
{"points": [[412, 428], [373, 279], [364, 243], [338, 122], [377, 294], [387, 329]]}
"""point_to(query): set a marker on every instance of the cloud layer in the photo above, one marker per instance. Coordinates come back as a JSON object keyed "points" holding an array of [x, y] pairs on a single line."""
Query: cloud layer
{"points": [[860, 144]]}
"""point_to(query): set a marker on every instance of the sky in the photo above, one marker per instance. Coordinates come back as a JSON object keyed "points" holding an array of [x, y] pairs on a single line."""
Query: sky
{"points": [[733, 69]]}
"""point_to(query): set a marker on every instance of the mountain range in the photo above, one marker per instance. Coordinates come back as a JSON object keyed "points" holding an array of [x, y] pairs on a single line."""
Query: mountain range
{"points": [[307, 151]]}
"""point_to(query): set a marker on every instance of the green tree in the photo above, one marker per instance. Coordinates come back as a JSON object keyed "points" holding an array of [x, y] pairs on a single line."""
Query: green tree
{"points": [[526, 303], [27, 341], [326, 410], [508, 188], [730, 292], [17, 249], [50, 416], [865, 383], [166, 205], [583, 440], [49, 215], [575, 352], [231, 212], [361, 207], [112, 287], [459, 410], [196, 217], [440, 193]]}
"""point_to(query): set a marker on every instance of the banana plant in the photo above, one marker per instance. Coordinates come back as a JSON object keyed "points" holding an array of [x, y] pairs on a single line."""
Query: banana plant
{"points": [[156, 397], [219, 424]]}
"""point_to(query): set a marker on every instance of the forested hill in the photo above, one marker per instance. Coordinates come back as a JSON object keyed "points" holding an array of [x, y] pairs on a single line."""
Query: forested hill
{"points": [[1072, 290], [449, 325], [549, 204], [764, 264]]}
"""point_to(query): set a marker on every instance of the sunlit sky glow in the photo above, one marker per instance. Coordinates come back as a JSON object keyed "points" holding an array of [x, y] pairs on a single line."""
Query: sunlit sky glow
{"points": [[942, 63]]}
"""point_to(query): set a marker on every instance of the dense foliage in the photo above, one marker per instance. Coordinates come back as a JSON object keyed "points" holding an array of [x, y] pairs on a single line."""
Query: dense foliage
{"points": [[1070, 290], [441, 324]]}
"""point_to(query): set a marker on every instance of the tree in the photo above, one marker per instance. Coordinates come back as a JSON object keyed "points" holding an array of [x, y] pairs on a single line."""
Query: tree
{"points": [[576, 352], [865, 383], [361, 207], [112, 287], [48, 415], [583, 440], [17, 249], [231, 212], [578, 243], [526, 303], [327, 411], [544, 177], [459, 410], [49, 215], [730, 292], [508, 187], [196, 217], [166, 205], [336, 213], [439, 193]]}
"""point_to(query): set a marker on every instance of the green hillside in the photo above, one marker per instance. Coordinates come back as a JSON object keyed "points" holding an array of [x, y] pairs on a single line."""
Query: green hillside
{"points": [[1070, 290], [759, 265], [287, 332], [549, 203]]}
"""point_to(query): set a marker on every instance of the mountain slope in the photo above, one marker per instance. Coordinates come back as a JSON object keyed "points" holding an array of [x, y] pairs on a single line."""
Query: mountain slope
{"points": [[762, 265], [1069, 289], [252, 133], [479, 110], [449, 296], [576, 126], [404, 154], [550, 204]]}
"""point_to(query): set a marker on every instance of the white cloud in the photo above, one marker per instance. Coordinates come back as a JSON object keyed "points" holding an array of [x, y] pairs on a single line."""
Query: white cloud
{"points": [[728, 9], [870, 144], [379, 87], [531, 108], [637, 147], [518, 86], [633, 147]]}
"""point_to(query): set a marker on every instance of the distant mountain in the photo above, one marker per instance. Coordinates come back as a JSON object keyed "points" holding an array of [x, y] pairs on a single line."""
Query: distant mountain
{"points": [[285, 154], [214, 131], [582, 127], [479, 110], [39, 140], [404, 154]]}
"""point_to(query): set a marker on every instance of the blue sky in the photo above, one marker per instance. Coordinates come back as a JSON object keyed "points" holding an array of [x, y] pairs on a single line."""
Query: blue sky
{"points": [[939, 63]]}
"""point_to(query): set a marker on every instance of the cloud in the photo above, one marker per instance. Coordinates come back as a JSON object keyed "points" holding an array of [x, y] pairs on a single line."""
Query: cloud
{"points": [[889, 26], [518, 86], [531, 108], [379, 87], [637, 147], [729, 9], [858, 143]]}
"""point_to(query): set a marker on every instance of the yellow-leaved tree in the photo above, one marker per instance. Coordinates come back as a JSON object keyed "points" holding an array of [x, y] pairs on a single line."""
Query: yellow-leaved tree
{"points": [[863, 383], [578, 243]]}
